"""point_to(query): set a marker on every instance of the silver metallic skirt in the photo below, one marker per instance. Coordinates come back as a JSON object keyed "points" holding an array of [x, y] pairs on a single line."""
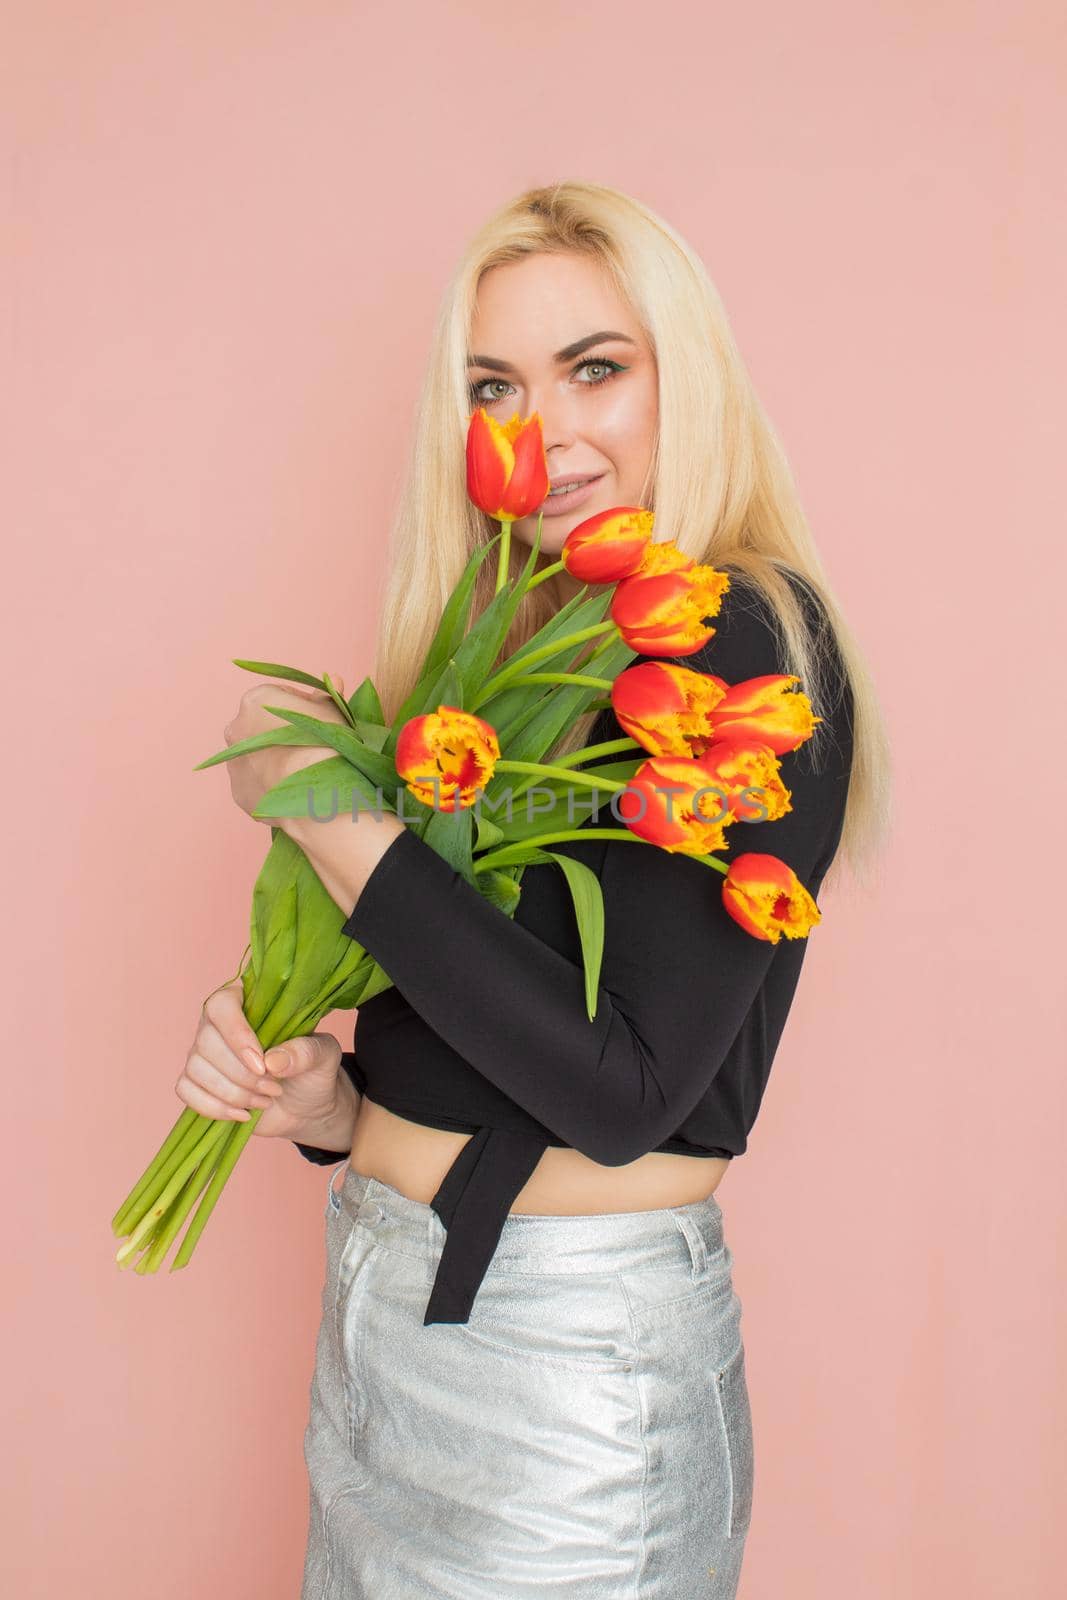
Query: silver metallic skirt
{"points": [[587, 1430]]}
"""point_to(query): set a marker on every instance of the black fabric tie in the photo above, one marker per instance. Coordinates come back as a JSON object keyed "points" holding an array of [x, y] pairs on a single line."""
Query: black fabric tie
{"points": [[473, 1202]]}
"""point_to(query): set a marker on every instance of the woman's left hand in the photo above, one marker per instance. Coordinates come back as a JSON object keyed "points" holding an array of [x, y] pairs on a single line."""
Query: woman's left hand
{"points": [[253, 774]]}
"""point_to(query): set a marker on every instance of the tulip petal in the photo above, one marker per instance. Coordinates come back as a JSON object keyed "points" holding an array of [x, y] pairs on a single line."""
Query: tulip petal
{"points": [[662, 615], [490, 462], [751, 774], [446, 757], [666, 708], [769, 710], [670, 802], [608, 546], [529, 482], [766, 898]]}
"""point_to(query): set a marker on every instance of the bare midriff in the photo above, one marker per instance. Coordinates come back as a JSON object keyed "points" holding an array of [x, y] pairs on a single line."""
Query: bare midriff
{"points": [[414, 1159]]}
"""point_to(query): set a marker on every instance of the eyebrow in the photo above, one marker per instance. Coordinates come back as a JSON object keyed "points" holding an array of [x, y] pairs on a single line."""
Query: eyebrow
{"points": [[566, 354]]}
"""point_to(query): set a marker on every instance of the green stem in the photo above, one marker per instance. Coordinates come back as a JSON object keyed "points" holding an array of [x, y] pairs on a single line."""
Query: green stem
{"points": [[561, 677], [173, 1138], [541, 769], [236, 1144], [272, 1031], [598, 650], [499, 679], [606, 748], [508, 855], [170, 1224], [503, 553], [546, 572], [511, 854], [162, 1170], [214, 1136]]}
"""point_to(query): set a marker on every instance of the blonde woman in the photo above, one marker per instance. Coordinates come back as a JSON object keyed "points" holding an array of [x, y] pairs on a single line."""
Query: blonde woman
{"points": [[530, 1372]]}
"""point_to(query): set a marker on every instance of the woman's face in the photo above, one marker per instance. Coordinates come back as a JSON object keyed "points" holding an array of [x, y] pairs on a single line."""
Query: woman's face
{"points": [[550, 334]]}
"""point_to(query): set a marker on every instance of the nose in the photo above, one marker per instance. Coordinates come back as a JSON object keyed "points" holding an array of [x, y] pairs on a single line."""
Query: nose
{"points": [[558, 442], [557, 420]]}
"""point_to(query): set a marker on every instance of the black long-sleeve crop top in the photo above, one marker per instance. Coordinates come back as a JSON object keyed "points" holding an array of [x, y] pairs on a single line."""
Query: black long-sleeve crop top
{"points": [[485, 1030]]}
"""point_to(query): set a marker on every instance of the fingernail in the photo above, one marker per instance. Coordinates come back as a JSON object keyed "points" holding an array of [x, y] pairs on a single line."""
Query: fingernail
{"points": [[254, 1061], [279, 1061]]}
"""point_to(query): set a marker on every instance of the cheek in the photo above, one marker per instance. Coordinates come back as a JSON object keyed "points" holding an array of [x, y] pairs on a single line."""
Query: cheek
{"points": [[627, 434]]}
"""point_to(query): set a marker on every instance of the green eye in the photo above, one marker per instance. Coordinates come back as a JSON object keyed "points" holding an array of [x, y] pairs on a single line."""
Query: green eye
{"points": [[613, 367]]}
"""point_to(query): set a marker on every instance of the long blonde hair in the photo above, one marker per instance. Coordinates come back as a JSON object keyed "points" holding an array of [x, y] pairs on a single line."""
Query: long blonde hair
{"points": [[719, 481]]}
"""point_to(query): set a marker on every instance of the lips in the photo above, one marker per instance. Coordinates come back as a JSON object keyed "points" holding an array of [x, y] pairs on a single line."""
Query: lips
{"points": [[561, 505], [571, 480]]}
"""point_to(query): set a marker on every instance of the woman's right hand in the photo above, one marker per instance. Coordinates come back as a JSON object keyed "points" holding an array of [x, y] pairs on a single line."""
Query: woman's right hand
{"points": [[298, 1087]]}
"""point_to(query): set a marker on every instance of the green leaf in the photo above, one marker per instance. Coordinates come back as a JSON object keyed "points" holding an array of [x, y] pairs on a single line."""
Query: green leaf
{"points": [[370, 763], [274, 874], [426, 696], [454, 618], [577, 615], [337, 697], [588, 898], [272, 669], [478, 651], [500, 889], [473, 657], [488, 833], [277, 943], [365, 705], [532, 735], [325, 789], [373, 734], [531, 814], [453, 683], [258, 741], [528, 857], [369, 980], [322, 957], [449, 833], [570, 618]]}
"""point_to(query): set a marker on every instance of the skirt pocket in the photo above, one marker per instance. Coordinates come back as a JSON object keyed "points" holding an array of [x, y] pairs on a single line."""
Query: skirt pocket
{"points": [[735, 1414]]}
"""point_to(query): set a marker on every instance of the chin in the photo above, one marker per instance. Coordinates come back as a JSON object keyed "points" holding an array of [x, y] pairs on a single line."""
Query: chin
{"points": [[553, 534], [554, 530]]}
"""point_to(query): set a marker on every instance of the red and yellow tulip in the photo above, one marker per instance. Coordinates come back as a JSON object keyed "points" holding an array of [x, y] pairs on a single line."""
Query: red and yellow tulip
{"points": [[507, 473], [609, 545], [769, 710], [661, 613], [666, 708], [663, 804], [663, 555], [767, 899], [446, 756], [734, 766]]}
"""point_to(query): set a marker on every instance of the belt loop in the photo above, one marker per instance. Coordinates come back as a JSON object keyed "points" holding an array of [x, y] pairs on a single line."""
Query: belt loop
{"points": [[698, 1250], [334, 1199]]}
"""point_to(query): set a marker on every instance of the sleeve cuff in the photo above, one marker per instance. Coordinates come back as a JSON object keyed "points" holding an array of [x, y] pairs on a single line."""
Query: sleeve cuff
{"points": [[321, 1158]]}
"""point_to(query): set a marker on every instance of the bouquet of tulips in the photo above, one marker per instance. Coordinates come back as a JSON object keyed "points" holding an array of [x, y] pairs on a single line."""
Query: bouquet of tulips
{"points": [[476, 732]]}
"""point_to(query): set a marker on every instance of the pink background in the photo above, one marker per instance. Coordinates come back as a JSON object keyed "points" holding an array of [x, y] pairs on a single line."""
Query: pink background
{"points": [[228, 226]]}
